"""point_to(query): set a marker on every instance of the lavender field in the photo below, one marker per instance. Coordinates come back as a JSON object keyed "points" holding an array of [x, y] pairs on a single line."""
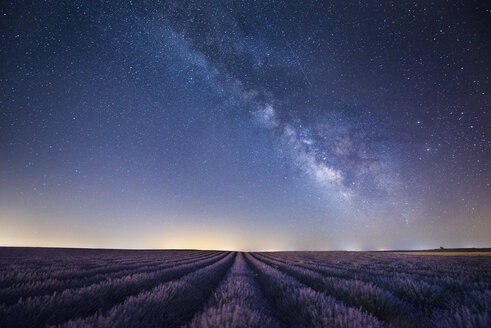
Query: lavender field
{"points": [[41, 287]]}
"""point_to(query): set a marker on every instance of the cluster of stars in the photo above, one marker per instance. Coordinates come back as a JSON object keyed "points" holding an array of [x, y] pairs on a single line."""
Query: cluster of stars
{"points": [[343, 116]]}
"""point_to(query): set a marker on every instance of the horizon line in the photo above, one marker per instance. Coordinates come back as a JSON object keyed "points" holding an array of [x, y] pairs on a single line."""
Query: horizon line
{"points": [[263, 250]]}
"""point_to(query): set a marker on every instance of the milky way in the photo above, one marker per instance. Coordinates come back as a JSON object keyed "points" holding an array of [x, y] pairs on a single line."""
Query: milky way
{"points": [[245, 125]]}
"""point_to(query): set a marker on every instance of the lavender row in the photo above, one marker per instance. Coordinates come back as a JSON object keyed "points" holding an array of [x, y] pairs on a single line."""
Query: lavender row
{"points": [[437, 288], [390, 263], [432, 300], [426, 295], [168, 305], [297, 305], [25, 269], [11, 295], [70, 272], [81, 302], [470, 269], [365, 296], [237, 302]]}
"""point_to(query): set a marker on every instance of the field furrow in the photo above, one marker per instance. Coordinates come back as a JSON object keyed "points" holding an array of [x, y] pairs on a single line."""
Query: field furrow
{"points": [[442, 297], [76, 268], [59, 307], [11, 295], [421, 268], [67, 288], [297, 305], [167, 305], [365, 296], [237, 302]]}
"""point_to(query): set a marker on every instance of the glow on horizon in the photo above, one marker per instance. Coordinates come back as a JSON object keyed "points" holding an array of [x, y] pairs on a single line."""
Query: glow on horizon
{"points": [[31, 228], [25, 229]]}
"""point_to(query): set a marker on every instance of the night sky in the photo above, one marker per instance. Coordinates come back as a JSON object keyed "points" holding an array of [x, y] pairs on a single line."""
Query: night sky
{"points": [[245, 125]]}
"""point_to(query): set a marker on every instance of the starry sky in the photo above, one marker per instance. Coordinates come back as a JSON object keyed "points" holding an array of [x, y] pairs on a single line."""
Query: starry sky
{"points": [[245, 125]]}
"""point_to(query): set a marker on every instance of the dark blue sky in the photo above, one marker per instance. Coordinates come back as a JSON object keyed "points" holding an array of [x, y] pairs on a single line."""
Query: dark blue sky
{"points": [[245, 124]]}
